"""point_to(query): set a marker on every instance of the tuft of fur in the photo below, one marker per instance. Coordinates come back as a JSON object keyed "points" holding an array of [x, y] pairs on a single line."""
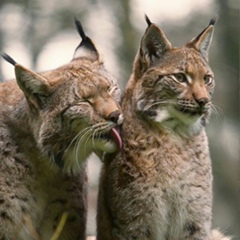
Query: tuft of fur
{"points": [[9, 59], [217, 235]]}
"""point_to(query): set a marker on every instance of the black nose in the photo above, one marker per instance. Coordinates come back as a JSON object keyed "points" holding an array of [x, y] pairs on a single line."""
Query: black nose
{"points": [[202, 101], [114, 116]]}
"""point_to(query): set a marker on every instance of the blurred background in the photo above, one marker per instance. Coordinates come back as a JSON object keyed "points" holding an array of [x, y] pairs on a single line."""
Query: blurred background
{"points": [[41, 35]]}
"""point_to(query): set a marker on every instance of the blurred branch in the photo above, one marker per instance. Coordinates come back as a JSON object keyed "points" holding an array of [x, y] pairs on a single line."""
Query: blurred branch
{"points": [[127, 49], [229, 40]]}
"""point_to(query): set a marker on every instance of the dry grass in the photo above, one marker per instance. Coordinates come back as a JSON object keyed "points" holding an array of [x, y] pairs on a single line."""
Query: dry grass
{"points": [[60, 226], [28, 223]]}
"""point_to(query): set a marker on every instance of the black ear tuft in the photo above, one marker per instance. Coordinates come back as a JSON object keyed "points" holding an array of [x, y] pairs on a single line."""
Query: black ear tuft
{"points": [[9, 59], [203, 41], [213, 20], [211, 23], [80, 28], [86, 41], [86, 48], [148, 20], [153, 46]]}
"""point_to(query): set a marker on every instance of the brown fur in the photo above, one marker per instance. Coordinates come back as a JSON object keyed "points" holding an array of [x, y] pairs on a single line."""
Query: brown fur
{"points": [[159, 187], [49, 124]]}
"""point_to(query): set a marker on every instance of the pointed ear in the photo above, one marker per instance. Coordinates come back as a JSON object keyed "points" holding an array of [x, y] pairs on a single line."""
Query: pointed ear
{"points": [[30, 82], [34, 86], [203, 41], [86, 48], [153, 45]]}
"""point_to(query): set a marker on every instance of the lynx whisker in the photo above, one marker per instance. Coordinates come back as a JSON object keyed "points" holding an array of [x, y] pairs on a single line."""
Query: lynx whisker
{"points": [[166, 101], [93, 138], [217, 111], [76, 137], [83, 138], [80, 133], [75, 142], [86, 134], [99, 132], [161, 102]]}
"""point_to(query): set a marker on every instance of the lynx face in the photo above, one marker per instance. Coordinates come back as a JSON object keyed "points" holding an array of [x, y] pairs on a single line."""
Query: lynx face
{"points": [[73, 110], [81, 119], [174, 85]]}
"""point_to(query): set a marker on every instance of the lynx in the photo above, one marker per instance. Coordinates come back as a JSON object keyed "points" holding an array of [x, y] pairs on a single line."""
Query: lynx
{"points": [[159, 186], [50, 123]]}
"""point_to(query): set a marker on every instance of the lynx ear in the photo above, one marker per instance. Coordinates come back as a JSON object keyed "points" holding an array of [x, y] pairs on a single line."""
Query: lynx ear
{"points": [[153, 45], [203, 41], [30, 82], [86, 48], [33, 85]]}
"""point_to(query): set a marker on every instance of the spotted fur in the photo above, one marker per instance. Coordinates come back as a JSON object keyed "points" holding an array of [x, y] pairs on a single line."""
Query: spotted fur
{"points": [[50, 123], [159, 187]]}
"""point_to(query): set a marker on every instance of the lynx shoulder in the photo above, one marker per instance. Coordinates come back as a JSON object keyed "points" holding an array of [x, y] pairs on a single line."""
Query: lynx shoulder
{"points": [[159, 187], [50, 123]]}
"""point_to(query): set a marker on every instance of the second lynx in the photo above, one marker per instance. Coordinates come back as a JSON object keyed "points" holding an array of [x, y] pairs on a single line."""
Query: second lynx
{"points": [[159, 187]]}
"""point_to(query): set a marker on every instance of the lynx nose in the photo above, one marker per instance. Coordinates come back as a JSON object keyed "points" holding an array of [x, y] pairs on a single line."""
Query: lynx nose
{"points": [[116, 117], [202, 101]]}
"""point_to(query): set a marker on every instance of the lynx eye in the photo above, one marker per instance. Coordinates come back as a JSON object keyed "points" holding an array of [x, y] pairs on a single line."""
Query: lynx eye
{"points": [[180, 77], [86, 99], [208, 79], [111, 90]]}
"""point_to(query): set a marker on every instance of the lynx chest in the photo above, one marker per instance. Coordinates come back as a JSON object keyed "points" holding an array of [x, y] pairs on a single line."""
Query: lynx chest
{"points": [[174, 179]]}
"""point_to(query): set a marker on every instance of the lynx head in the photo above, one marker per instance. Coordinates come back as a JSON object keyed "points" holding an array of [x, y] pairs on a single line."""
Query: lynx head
{"points": [[73, 110], [171, 86]]}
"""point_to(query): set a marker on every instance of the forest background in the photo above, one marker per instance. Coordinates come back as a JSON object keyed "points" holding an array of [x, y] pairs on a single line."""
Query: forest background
{"points": [[41, 35]]}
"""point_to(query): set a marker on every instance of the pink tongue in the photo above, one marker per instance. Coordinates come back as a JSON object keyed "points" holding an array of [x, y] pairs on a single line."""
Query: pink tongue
{"points": [[117, 137]]}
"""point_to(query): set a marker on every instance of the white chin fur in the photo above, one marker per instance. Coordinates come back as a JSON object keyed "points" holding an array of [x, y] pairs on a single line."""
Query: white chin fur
{"points": [[179, 122], [184, 118]]}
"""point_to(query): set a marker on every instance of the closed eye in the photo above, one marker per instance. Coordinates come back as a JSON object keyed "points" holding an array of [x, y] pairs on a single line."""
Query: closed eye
{"points": [[114, 92], [86, 100], [111, 90]]}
